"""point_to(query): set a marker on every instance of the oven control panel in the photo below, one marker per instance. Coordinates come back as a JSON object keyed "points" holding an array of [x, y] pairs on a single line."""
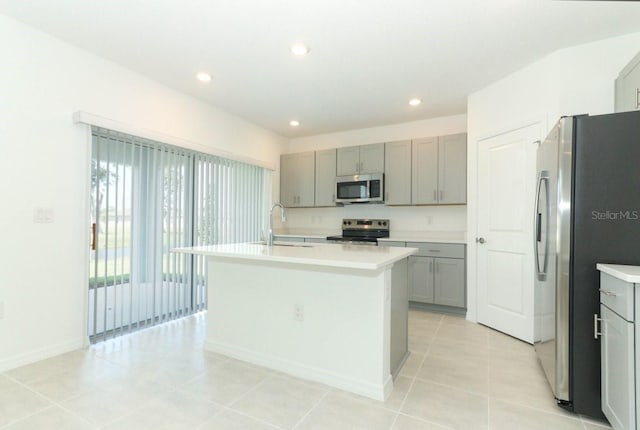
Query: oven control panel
{"points": [[365, 224]]}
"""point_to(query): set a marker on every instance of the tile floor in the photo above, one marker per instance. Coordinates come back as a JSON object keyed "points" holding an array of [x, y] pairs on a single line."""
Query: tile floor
{"points": [[459, 376]]}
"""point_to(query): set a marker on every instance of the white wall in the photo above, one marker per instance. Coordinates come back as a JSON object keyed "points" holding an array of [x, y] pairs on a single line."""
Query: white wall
{"points": [[570, 81], [416, 218], [44, 163]]}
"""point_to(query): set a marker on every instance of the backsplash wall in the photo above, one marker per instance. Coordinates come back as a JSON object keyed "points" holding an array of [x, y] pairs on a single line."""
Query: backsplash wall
{"points": [[403, 218]]}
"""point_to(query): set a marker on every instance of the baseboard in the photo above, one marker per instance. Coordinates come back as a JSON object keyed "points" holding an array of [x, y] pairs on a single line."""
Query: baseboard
{"points": [[367, 389], [39, 354], [438, 308]]}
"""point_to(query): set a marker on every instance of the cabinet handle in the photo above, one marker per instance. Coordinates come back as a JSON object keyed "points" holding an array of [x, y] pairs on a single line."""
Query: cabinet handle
{"points": [[357, 167], [596, 333], [386, 195], [435, 195], [637, 98], [333, 198], [434, 250], [94, 236], [441, 195], [608, 293], [431, 267], [435, 267]]}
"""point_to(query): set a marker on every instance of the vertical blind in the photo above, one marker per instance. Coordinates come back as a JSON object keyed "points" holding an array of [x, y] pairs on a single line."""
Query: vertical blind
{"points": [[148, 198]]}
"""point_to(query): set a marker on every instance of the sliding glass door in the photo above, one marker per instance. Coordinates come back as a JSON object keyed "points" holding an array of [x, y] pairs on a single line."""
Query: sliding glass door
{"points": [[147, 199]]}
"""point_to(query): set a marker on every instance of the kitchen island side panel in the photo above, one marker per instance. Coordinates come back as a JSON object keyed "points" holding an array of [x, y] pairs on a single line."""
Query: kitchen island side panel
{"points": [[342, 337]]}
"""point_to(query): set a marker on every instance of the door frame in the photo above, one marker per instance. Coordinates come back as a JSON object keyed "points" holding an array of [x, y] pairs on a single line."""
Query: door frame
{"points": [[473, 198]]}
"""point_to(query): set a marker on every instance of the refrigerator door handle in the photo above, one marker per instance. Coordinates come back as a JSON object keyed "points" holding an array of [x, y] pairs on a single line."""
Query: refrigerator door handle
{"points": [[541, 272]]}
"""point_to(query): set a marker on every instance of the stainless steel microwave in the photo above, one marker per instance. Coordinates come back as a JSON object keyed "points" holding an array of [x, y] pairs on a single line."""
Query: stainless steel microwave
{"points": [[360, 188]]}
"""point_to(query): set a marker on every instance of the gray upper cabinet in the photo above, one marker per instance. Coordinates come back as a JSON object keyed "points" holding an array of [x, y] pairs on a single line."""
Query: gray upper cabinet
{"points": [[348, 161], [452, 169], [372, 158], [425, 171], [297, 179], [439, 170], [326, 178], [356, 160], [628, 87], [397, 174]]}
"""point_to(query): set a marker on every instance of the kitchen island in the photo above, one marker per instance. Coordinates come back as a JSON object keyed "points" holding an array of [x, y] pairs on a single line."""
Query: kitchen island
{"points": [[335, 314]]}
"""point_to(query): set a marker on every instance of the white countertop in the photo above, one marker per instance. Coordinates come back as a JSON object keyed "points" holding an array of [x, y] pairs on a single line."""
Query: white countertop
{"points": [[625, 273], [400, 236], [328, 255]]}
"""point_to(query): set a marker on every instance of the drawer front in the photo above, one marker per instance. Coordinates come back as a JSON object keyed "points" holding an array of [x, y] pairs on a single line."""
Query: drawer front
{"points": [[391, 243], [617, 295], [429, 249]]}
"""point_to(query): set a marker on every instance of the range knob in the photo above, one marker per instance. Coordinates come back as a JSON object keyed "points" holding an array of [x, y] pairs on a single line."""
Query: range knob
{"points": [[384, 223], [349, 222]]}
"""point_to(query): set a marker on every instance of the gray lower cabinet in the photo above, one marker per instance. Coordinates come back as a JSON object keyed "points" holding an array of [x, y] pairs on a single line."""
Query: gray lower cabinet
{"points": [[628, 86], [448, 282], [620, 329], [421, 279], [436, 273]]}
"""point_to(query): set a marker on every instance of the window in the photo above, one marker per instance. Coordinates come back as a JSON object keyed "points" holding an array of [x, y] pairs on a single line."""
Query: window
{"points": [[147, 199]]}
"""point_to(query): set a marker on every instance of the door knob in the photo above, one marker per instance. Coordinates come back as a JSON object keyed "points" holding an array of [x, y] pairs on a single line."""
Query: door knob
{"points": [[480, 240]]}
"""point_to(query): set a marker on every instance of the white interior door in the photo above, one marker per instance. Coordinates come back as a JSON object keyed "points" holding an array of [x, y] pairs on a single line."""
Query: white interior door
{"points": [[506, 188]]}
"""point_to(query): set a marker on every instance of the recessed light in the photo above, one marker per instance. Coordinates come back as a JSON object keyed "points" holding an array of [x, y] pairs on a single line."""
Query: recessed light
{"points": [[415, 102], [299, 49], [203, 77], [294, 123]]}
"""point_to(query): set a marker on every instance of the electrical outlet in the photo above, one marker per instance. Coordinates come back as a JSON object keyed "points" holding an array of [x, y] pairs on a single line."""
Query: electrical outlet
{"points": [[1, 310], [298, 312], [43, 215]]}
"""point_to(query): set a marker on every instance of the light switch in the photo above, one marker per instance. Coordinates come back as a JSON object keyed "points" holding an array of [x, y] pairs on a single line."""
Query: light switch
{"points": [[43, 215]]}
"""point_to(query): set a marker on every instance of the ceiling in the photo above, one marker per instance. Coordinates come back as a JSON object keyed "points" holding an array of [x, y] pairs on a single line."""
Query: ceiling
{"points": [[367, 59]]}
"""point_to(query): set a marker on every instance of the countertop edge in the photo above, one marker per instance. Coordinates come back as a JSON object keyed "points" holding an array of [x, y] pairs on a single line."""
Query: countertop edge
{"points": [[402, 237], [623, 272], [303, 260], [424, 240]]}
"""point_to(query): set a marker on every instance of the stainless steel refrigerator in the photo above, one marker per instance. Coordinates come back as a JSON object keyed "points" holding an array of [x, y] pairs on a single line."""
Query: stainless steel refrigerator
{"points": [[586, 212]]}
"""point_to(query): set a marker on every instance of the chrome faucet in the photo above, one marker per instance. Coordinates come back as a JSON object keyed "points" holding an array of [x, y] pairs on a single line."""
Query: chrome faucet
{"points": [[283, 215]]}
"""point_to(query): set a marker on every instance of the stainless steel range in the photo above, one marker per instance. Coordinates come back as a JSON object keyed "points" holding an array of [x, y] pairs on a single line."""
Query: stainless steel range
{"points": [[362, 231]]}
